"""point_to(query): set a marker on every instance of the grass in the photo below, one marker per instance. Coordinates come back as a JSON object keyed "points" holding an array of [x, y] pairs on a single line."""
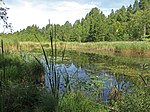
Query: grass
{"points": [[139, 101], [135, 48], [22, 76], [77, 102], [21, 79], [126, 48], [112, 45]]}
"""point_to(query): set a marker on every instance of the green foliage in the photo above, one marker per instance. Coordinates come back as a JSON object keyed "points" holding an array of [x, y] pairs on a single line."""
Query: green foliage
{"points": [[144, 4], [136, 6], [47, 102], [14, 68], [77, 102], [131, 23], [19, 79], [20, 98], [18, 84], [136, 101], [138, 98]]}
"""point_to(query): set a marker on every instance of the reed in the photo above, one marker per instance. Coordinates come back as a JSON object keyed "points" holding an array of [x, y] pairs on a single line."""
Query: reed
{"points": [[53, 76], [2, 80], [111, 45], [132, 48], [11, 45]]}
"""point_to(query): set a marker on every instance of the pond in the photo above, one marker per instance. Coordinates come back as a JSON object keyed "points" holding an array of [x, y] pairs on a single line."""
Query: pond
{"points": [[97, 74]]}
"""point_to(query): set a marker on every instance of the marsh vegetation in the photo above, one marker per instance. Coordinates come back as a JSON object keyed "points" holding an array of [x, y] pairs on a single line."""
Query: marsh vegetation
{"points": [[98, 64]]}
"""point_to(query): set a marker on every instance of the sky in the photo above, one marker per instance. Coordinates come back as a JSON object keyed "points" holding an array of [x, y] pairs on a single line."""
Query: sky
{"points": [[23, 13]]}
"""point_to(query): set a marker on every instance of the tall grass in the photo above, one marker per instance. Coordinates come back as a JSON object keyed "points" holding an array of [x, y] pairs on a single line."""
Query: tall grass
{"points": [[2, 78], [16, 78], [19, 90], [53, 76], [127, 48], [11, 45], [77, 102], [130, 49]]}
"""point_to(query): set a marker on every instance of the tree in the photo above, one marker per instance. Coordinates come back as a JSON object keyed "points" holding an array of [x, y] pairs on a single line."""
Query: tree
{"points": [[111, 17], [77, 31], [131, 23], [85, 24], [135, 28], [93, 21], [110, 35], [3, 16], [146, 23], [144, 4], [121, 15], [97, 25], [130, 11], [136, 6], [67, 31]]}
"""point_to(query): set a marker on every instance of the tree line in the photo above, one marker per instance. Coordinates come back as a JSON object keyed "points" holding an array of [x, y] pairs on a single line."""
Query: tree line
{"points": [[125, 24]]}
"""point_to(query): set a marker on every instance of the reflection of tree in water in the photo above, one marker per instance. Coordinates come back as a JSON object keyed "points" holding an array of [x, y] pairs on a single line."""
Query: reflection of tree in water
{"points": [[91, 66]]}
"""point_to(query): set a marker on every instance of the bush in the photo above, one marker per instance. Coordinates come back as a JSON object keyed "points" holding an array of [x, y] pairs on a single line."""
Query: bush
{"points": [[20, 98], [47, 102]]}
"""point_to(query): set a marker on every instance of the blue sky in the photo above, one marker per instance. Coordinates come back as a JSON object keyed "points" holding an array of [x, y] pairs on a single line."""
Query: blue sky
{"points": [[23, 13]]}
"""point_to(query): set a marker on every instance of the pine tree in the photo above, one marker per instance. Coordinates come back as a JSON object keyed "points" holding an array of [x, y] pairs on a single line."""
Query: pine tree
{"points": [[136, 6], [144, 4], [130, 11]]}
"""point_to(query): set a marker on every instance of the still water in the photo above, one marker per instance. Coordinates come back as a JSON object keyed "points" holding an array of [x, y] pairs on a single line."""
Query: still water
{"points": [[97, 74]]}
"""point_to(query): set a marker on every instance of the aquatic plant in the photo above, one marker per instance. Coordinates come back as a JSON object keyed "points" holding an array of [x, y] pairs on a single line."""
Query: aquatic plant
{"points": [[138, 101], [51, 72]]}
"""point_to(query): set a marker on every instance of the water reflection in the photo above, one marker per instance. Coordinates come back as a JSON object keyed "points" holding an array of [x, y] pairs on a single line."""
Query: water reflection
{"points": [[101, 82]]}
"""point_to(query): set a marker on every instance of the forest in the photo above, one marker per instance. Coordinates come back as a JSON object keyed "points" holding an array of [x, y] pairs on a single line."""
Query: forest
{"points": [[130, 23]]}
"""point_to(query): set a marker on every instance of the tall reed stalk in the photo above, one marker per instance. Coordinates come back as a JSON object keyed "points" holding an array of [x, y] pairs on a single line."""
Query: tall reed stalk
{"points": [[143, 67], [2, 80], [53, 76]]}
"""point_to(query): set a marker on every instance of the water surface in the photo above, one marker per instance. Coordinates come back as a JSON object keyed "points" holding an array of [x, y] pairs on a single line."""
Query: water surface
{"points": [[99, 73]]}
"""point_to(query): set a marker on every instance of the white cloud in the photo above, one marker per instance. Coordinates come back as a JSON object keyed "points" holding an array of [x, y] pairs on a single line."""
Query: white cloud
{"points": [[23, 13], [26, 13]]}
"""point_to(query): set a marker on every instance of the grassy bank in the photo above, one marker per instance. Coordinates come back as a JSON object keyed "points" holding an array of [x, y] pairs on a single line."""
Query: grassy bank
{"points": [[125, 48], [135, 48]]}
